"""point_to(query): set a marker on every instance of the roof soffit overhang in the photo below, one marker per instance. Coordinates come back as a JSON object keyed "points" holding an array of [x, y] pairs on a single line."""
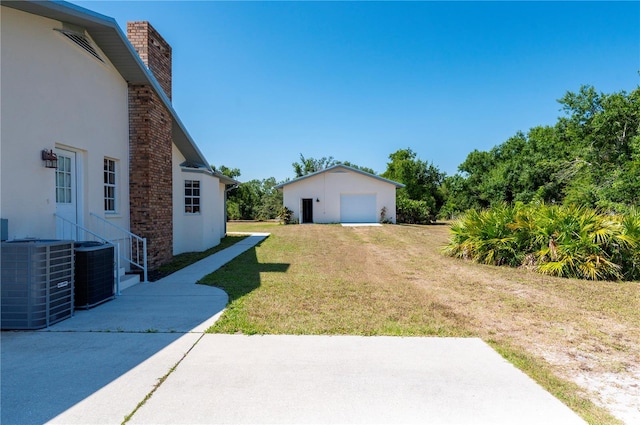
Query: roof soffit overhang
{"points": [[187, 167]]}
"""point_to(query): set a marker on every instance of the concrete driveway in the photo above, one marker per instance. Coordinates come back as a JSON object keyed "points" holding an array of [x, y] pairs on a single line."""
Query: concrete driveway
{"points": [[100, 365]]}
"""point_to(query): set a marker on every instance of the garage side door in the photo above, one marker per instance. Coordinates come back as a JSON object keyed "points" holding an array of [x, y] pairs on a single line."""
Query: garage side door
{"points": [[358, 208]]}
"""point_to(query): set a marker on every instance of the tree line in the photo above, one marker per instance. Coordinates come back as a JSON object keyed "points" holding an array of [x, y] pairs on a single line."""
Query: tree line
{"points": [[590, 157]]}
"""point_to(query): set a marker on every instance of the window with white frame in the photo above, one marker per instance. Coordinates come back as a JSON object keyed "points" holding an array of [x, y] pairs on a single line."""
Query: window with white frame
{"points": [[63, 180], [192, 196], [109, 185]]}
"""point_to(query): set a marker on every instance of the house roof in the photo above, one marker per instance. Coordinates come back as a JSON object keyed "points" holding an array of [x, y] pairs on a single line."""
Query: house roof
{"points": [[192, 168], [106, 33], [225, 179], [333, 168]]}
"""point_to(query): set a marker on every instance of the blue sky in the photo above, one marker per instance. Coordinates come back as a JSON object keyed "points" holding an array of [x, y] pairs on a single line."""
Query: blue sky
{"points": [[258, 83]]}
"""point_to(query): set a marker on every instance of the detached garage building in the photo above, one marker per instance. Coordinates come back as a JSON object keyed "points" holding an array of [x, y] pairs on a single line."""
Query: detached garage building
{"points": [[340, 194]]}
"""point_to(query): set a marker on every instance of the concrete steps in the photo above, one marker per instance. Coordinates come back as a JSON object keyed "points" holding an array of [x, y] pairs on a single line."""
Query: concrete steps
{"points": [[128, 280]]}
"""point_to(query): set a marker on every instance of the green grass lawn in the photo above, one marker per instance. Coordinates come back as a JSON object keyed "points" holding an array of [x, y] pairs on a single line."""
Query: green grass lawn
{"points": [[394, 280], [289, 285]]}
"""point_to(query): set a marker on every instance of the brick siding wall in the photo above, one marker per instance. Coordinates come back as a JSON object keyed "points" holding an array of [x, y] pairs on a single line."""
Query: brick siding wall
{"points": [[150, 157]]}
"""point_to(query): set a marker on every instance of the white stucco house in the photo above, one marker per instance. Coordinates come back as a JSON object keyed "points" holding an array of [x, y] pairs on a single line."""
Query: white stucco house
{"points": [[90, 141], [340, 194]]}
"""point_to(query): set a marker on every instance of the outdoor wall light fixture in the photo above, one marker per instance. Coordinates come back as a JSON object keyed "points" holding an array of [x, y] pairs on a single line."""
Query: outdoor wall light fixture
{"points": [[317, 199], [50, 158]]}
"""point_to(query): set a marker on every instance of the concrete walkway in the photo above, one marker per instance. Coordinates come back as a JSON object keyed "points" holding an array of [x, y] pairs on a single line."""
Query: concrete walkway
{"points": [[99, 366]]}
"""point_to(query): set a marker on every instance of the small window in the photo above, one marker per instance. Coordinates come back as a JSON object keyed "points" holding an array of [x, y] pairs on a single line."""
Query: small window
{"points": [[63, 180], [109, 185], [192, 196]]}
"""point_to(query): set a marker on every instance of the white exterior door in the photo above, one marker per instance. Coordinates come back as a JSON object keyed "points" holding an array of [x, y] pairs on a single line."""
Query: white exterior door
{"points": [[66, 194], [358, 208]]}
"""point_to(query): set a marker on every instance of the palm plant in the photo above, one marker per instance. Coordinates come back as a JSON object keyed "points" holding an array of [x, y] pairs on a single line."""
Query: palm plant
{"points": [[485, 237], [629, 244], [578, 242], [526, 226], [572, 241]]}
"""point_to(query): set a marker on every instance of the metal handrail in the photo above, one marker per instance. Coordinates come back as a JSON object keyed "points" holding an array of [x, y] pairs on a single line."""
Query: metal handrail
{"points": [[76, 227], [135, 252]]}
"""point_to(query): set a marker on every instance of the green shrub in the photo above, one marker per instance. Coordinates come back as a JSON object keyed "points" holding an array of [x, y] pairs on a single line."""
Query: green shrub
{"points": [[286, 215], [628, 249], [571, 241], [484, 237], [233, 210], [578, 243], [413, 212]]}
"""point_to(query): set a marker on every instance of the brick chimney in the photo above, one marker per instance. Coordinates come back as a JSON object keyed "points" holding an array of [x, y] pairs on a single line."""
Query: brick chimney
{"points": [[154, 51], [150, 148]]}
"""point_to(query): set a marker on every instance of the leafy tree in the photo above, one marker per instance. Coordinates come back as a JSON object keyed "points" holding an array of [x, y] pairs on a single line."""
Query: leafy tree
{"points": [[455, 192], [476, 168], [252, 200], [591, 157], [270, 200], [358, 167], [422, 182], [603, 130], [311, 165], [229, 172], [246, 198], [255, 200]]}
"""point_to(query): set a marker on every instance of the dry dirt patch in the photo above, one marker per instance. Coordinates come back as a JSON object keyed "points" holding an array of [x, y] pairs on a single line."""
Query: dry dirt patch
{"points": [[589, 332]]}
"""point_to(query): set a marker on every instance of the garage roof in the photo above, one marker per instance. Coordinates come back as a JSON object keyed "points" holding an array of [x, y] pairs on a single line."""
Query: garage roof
{"points": [[106, 33], [346, 168]]}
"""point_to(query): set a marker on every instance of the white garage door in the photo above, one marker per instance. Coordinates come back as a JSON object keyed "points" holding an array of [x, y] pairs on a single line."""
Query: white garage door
{"points": [[358, 208]]}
